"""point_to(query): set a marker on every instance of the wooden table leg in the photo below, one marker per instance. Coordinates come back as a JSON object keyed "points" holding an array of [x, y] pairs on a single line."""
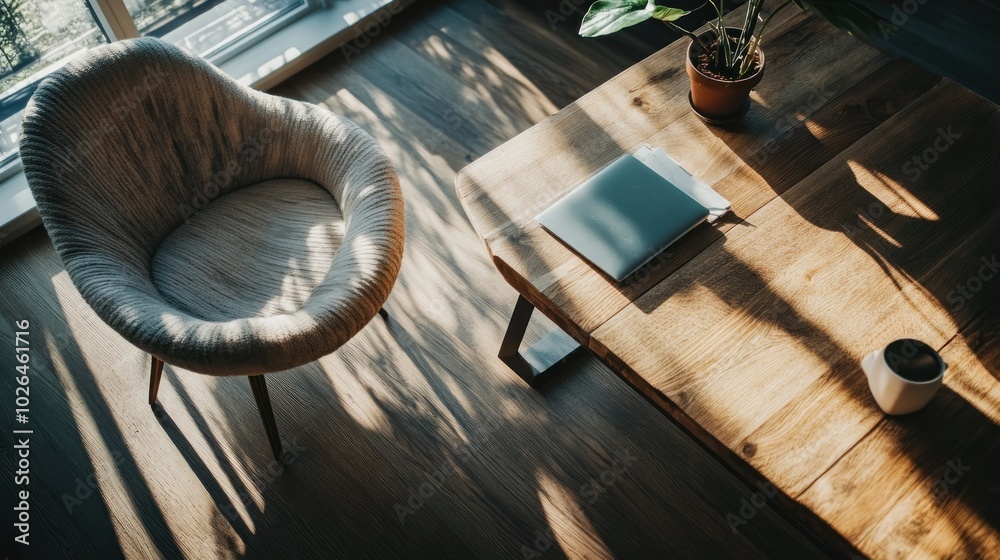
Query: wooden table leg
{"points": [[539, 360]]}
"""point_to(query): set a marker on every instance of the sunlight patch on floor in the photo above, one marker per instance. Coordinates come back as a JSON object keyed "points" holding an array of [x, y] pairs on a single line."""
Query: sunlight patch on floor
{"points": [[569, 525], [132, 536], [356, 399]]}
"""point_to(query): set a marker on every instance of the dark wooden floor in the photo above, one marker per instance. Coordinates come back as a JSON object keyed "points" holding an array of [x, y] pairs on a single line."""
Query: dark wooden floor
{"points": [[413, 440]]}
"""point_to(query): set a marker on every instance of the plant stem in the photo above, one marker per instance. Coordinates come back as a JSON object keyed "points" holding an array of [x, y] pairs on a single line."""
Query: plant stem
{"points": [[760, 36], [753, 11], [715, 26], [687, 33], [724, 36], [746, 24]]}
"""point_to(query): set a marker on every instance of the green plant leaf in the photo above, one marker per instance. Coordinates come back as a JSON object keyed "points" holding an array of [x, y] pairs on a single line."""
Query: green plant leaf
{"points": [[663, 13], [609, 16]]}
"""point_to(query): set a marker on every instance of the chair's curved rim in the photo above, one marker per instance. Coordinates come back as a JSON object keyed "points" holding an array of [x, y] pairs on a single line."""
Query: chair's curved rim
{"points": [[121, 290]]}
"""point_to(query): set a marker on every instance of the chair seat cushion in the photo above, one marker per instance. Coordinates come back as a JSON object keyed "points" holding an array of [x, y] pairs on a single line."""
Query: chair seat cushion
{"points": [[270, 274], [257, 252]]}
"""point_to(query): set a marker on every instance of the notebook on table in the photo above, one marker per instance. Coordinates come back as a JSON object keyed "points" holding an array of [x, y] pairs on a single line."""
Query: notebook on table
{"points": [[620, 218]]}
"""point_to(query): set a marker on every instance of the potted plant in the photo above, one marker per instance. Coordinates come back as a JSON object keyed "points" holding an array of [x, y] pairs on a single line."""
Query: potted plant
{"points": [[722, 72]]}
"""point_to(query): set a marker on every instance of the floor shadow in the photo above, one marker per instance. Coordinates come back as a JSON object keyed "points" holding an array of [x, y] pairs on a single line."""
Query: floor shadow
{"points": [[75, 424], [414, 441], [199, 469]]}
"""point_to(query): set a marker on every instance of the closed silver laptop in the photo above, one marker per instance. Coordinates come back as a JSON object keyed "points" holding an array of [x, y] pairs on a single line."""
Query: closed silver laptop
{"points": [[622, 217]]}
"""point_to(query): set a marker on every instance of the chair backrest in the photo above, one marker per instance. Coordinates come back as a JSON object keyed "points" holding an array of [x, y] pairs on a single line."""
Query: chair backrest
{"points": [[123, 144]]}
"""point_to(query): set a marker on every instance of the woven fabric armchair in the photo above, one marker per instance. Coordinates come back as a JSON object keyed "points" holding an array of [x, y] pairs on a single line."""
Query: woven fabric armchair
{"points": [[218, 228]]}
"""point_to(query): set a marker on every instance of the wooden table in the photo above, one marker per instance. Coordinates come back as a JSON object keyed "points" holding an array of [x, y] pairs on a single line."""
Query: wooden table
{"points": [[866, 208]]}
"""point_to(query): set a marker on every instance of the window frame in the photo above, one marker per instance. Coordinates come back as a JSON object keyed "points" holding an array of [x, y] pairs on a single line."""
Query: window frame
{"points": [[116, 23]]}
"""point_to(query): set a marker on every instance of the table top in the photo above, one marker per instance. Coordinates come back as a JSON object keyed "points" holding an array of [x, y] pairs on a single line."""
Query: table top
{"points": [[865, 209]]}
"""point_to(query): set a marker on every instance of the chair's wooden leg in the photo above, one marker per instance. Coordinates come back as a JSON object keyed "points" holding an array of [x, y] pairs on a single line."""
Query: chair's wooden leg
{"points": [[259, 387], [383, 313], [155, 372]]}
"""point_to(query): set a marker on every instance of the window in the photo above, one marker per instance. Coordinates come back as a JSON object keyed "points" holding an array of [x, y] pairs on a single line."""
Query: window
{"points": [[207, 27], [38, 36]]}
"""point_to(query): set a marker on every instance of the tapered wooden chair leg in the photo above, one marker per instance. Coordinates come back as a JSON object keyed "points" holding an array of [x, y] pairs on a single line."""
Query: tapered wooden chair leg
{"points": [[259, 387], [155, 372]]}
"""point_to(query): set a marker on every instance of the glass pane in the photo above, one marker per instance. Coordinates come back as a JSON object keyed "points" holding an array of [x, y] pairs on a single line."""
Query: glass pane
{"points": [[206, 26], [36, 37]]}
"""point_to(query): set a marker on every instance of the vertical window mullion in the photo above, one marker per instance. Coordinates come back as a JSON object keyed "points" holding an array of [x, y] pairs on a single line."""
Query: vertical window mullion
{"points": [[115, 19]]}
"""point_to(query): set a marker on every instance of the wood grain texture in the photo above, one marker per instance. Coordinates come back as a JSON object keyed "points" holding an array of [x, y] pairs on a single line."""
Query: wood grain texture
{"points": [[758, 339], [864, 211], [413, 440], [645, 104], [925, 485]]}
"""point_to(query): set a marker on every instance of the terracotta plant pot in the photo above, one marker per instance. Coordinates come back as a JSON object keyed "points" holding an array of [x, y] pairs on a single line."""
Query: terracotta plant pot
{"points": [[720, 101]]}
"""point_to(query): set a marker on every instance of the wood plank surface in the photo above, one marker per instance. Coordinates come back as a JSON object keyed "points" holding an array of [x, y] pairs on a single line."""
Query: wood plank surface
{"points": [[810, 66], [757, 340], [925, 485], [413, 440]]}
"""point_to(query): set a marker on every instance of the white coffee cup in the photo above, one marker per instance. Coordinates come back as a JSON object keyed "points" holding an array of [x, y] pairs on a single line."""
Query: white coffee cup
{"points": [[904, 375]]}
